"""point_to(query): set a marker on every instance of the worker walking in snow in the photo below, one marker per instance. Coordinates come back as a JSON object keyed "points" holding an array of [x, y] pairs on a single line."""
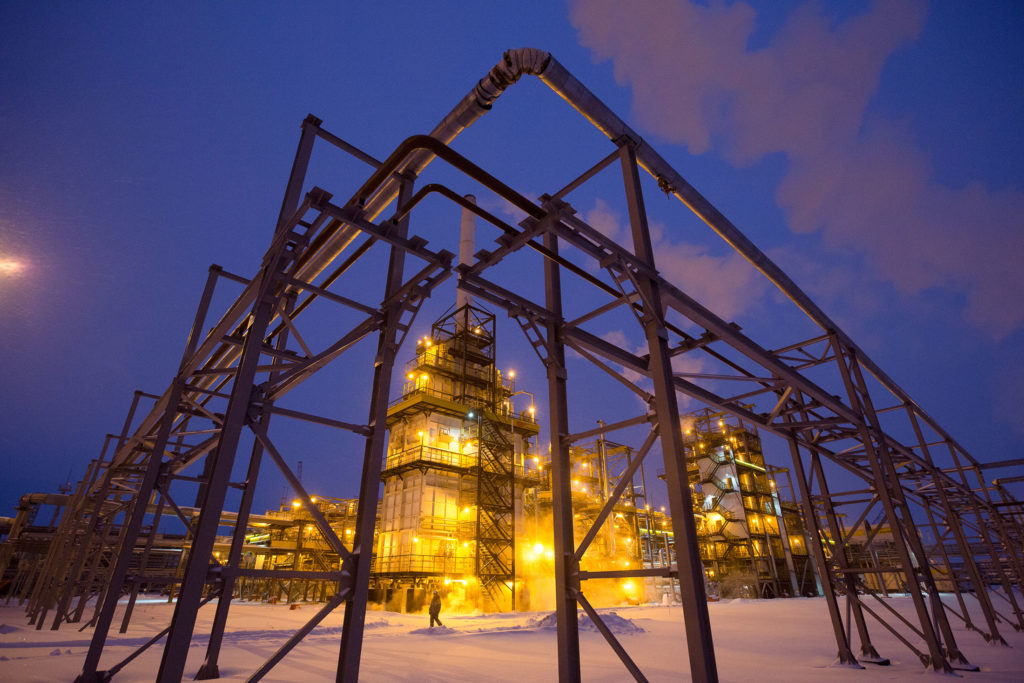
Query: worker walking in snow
{"points": [[435, 610]]}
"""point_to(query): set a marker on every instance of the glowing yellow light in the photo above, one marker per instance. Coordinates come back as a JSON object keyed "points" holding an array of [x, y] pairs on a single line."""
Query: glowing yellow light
{"points": [[536, 459], [11, 267], [533, 411], [296, 503], [575, 482], [415, 539], [424, 377], [628, 586], [688, 431], [538, 548], [772, 483], [465, 510], [429, 342], [419, 434], [309, 527], [348, 531], [476, 330], [313, 499], [465, 544], [662, 508], [512, 373], [411, 376]]}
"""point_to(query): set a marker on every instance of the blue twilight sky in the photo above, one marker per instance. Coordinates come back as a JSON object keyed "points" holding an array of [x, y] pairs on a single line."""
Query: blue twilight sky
{"points": [[874, 150]]}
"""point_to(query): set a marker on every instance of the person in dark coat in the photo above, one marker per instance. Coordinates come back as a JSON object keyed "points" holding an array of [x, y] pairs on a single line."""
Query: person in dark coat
{"points": [[435, 610]]}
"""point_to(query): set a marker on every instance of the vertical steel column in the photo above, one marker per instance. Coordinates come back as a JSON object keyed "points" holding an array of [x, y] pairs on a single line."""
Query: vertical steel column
{"points": [[567, 573], [772, 566], [889, 492], [828, 588], [356, 569], [913, 537], [293, 192], [787, 550], [691, 574], [953, 523], [161, 496], [78, 564], [289, 205], [105, 615], [209, 668], [197, 567], [954, 580], [154, 529], [867, 648], [95, 572], [609, 529], [75, 582], [999, 524]]}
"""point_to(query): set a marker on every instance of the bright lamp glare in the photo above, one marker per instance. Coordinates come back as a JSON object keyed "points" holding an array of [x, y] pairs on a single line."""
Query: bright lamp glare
{"points": [[9, 266]]}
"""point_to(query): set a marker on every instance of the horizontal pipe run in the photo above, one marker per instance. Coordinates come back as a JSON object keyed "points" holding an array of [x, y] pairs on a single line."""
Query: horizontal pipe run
{"points": [[362, 430], [614, 426], [664, 572], [282, 574]]}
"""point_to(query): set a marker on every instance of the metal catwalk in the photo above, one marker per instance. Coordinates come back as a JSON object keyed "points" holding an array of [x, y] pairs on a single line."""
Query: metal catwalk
{"points": [[837, 411]]}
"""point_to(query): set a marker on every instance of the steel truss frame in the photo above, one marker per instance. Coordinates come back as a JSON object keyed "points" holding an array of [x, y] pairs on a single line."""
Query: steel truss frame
{"points": [[834, 407]]}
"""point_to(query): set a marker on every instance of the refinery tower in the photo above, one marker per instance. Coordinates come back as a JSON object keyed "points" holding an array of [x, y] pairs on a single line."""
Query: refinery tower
{"points": [[460, 453], [459, 456]]}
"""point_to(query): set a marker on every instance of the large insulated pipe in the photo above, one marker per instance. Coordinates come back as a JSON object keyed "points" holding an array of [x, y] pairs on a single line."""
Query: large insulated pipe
{"points": [[337, 236], [513, 65], [467, 239], [531, 61]]}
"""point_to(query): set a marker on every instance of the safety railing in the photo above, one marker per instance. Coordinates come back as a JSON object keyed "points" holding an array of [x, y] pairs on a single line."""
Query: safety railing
{"points": [[427, 564]]}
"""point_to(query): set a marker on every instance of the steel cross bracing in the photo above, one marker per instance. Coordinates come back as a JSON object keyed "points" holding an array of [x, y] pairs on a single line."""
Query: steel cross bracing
{"points": [[835, 408]]}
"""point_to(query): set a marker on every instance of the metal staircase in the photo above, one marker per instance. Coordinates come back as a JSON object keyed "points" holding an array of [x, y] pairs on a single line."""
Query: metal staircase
{"points": [[495, 556]]}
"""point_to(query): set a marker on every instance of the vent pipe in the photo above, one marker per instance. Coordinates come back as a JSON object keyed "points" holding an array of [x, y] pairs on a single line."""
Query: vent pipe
{"points": [[467, 239]]}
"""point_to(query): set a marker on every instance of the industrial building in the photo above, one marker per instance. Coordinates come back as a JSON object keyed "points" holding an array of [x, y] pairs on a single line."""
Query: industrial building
{"points": [[597, 469], [465, 490], [459, 457], [467, 503], [752, 539]]}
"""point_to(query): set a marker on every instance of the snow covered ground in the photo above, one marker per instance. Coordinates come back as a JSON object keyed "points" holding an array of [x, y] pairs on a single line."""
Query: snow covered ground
{"points": [[770, 640]]}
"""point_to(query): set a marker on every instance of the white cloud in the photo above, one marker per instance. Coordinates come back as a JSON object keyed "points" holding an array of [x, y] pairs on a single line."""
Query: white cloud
{"points": [[860, 180], [728, 285]]}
